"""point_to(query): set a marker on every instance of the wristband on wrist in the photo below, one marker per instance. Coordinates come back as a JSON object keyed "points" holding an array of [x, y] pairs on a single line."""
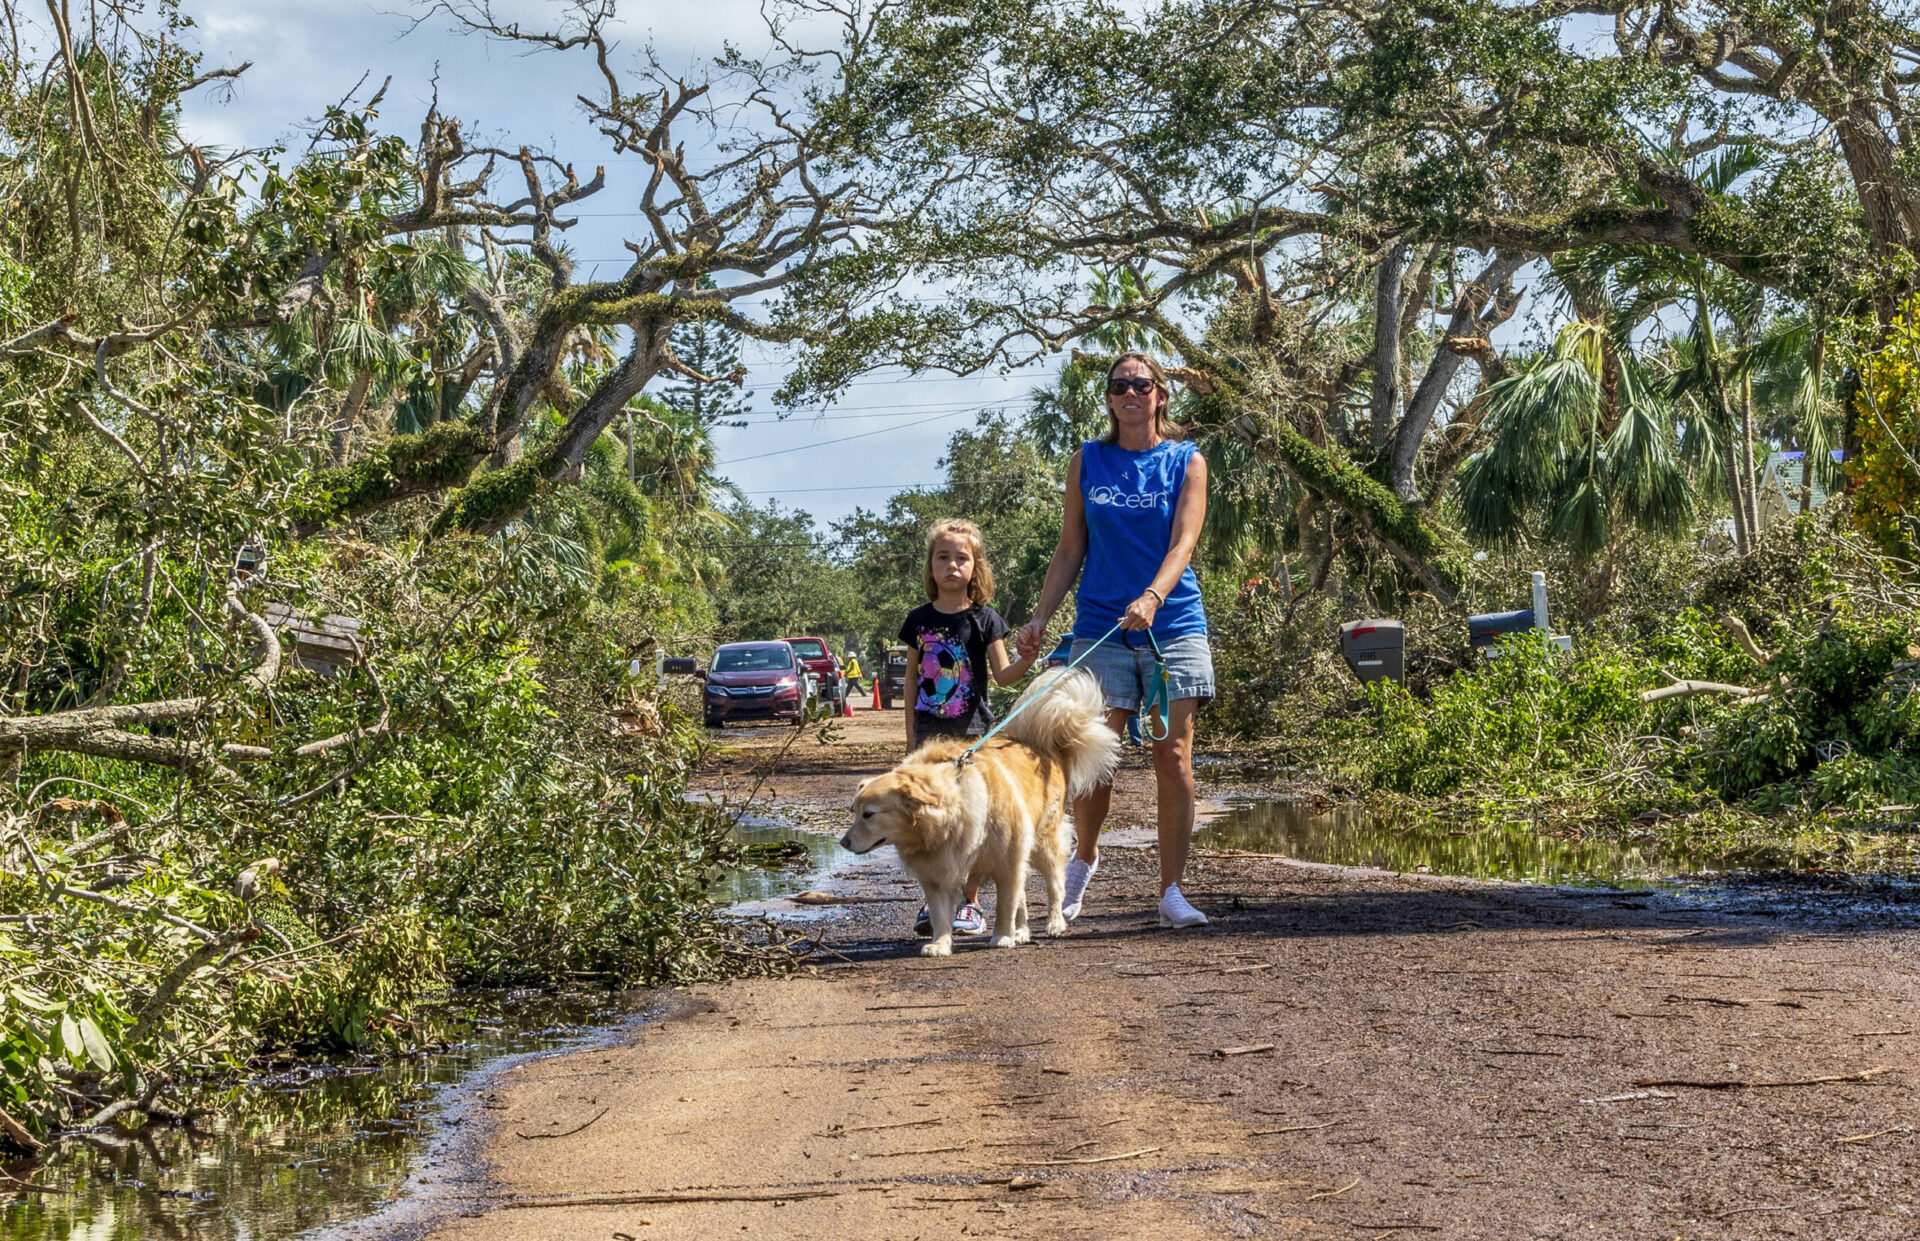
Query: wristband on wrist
{"points": [[1159, 599]]}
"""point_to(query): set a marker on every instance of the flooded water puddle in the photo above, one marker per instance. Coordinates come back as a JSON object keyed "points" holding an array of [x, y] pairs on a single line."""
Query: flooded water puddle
{"points": [[1350, 836], [308, 1149], [782, 859], [327, 1149]]}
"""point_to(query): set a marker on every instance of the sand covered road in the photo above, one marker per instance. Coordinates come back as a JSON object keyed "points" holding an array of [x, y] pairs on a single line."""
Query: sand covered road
{"points": [[1342, 1054]]}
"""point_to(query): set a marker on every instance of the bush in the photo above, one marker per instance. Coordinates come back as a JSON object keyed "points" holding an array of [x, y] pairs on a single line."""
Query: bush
{"points": [[500, 828]]}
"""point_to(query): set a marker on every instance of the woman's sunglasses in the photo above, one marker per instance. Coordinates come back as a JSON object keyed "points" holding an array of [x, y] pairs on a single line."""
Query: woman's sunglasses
{"points": [[1120, 387]]}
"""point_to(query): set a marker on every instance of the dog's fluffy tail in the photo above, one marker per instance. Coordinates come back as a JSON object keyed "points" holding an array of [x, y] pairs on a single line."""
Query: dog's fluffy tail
{"points": [[1068, 723]]}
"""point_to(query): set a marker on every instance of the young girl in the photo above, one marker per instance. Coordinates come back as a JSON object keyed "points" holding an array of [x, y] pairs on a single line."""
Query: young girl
{"points": [[959, 645]]}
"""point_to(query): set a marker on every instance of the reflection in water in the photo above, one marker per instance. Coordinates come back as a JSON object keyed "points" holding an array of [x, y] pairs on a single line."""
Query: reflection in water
{"points": [[801, 858], [1349, 836], [325, 1144], [316, 1147]]}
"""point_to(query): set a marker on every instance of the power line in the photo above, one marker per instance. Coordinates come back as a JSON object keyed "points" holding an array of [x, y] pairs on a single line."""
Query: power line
{"points": [[780, 452], [901, 411], [792, 491]]}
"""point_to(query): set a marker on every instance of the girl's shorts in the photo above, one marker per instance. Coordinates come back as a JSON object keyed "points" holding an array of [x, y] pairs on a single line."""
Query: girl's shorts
{"points": [[1124, 662]]}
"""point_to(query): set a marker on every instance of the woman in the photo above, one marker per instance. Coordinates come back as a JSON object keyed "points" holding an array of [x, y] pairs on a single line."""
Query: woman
{"points": [[1135, 502]]}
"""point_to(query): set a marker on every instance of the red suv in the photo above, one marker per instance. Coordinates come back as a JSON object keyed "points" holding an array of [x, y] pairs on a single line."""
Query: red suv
{"points": [[818, 657], [755, 680]]}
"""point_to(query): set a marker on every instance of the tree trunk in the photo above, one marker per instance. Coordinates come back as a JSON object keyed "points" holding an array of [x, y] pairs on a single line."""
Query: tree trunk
{"points": [[1751, 479], [349, 418], [1464, 324], [1386, 345], [1372, 507], [1730, 465]]}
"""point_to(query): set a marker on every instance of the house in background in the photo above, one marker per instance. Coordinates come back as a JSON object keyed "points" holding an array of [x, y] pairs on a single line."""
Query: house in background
{"points": [[1783, 490]]}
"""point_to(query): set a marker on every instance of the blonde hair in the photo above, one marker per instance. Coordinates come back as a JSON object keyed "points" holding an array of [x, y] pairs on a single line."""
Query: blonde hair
{"points": [[1165, 427], [980, 586]]}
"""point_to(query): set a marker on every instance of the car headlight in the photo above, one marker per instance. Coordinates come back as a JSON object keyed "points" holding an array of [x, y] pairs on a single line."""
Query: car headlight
{"points": [[786, 683], [717, 691]]}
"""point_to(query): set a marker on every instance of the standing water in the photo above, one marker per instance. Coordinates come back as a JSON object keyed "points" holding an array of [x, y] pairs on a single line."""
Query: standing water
{"points": [[321, 1145], [1350, 836], [317, 1145]]}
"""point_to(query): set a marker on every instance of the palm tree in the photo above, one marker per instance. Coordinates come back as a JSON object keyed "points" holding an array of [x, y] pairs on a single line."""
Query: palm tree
{"points": [[1553, 456], [1734, 359]]}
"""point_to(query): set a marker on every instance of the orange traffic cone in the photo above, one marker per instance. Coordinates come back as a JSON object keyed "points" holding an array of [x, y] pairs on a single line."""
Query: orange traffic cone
{"points": [[876, 693], [846, 704]]}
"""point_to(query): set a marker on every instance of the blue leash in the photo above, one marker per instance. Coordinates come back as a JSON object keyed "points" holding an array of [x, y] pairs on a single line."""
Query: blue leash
{"points": [[1156, 697], [1157, 705]]}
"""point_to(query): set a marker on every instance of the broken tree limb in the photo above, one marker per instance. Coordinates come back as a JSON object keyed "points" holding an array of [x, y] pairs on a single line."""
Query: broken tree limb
{"points": [[565, 1133], [1687, 689], [1744, 639], [16, 1133], [624, 1200], [1864, 1075], [1267, 1133], [1056, 1163]]}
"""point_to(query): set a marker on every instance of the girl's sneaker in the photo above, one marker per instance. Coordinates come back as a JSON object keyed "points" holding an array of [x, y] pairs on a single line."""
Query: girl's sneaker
{"points": [[1177, 911], [1079, 875], [967, 920]]}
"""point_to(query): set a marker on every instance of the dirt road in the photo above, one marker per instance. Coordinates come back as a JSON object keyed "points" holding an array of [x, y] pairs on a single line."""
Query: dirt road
{"points": [[1341, 1054]]}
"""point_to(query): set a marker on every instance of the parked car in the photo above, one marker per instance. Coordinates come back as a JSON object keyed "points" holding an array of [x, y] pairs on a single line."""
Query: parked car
{"points": [[895, 673], [821, 662], [756, 680]]}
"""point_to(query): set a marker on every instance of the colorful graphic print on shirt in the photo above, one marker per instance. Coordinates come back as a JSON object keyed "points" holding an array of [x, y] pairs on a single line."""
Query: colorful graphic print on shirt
{"points": [[946, 677]]}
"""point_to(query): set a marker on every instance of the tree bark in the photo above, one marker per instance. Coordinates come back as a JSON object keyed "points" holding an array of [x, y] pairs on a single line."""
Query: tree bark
{"points": [[1386, 345], [1465, 323]]}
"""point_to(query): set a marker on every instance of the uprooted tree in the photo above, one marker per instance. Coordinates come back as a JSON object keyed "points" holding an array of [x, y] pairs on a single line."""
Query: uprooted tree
{"points": [[387, 287], [227, 377]]}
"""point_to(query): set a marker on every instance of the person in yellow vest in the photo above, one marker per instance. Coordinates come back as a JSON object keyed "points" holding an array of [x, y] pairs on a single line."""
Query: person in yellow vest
{"points": [[852, 672]]}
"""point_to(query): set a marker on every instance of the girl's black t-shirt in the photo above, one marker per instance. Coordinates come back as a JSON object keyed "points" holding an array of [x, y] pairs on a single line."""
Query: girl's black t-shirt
{"points": [[950, 671]]}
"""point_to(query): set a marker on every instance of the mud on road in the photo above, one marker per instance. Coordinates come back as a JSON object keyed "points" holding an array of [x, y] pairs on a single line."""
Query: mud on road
{"points": [[1341, 1054]]}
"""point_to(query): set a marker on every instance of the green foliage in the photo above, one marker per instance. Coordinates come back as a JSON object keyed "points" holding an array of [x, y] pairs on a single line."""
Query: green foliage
{"points": [[1830, 738], [493, 832], [1524, 720], [1886, 471], [780, 580]]}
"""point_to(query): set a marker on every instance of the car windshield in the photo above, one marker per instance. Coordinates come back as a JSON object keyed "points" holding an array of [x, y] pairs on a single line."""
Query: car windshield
{"points": [[751, 659], [807, 648]]}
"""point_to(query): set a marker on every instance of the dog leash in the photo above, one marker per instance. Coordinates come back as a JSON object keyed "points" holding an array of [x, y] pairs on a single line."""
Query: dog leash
{"points": [[1157, 701], [1157, 705]]}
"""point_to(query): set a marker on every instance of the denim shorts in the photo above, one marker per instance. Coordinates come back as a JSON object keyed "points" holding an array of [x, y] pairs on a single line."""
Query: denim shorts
{"points": [[1124, 661]]}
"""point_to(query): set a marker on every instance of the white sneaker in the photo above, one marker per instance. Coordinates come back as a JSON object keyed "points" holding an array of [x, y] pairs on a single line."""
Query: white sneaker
{"points": [[1176, 910], [1079, 875]]}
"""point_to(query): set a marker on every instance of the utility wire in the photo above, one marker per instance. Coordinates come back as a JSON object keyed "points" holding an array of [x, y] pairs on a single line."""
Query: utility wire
{"points": [[779, 452]]}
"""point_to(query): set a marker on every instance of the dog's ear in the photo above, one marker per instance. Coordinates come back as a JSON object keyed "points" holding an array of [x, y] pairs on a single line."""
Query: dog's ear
{"points": [[915, 789]]}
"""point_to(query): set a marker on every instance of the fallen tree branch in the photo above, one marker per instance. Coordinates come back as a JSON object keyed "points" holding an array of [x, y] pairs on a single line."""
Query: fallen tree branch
{"points": [[1687, 689], [564, 1133], [177, 977], [1056, 1163], [1863, 1075], [15, 1132], [1744, 639], [625, 1200], [81, 894]]}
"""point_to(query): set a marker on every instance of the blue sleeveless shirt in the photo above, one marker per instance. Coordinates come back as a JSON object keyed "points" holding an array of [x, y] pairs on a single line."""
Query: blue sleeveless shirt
{"points": [[1129, 498]]}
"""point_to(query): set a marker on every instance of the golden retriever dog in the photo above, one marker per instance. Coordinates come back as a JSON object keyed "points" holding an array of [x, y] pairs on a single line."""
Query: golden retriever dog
{"points": [[956, 822]]}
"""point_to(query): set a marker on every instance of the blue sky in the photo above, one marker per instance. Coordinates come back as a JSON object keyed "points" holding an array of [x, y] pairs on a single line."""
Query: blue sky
{"points": [[306, 54]]}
